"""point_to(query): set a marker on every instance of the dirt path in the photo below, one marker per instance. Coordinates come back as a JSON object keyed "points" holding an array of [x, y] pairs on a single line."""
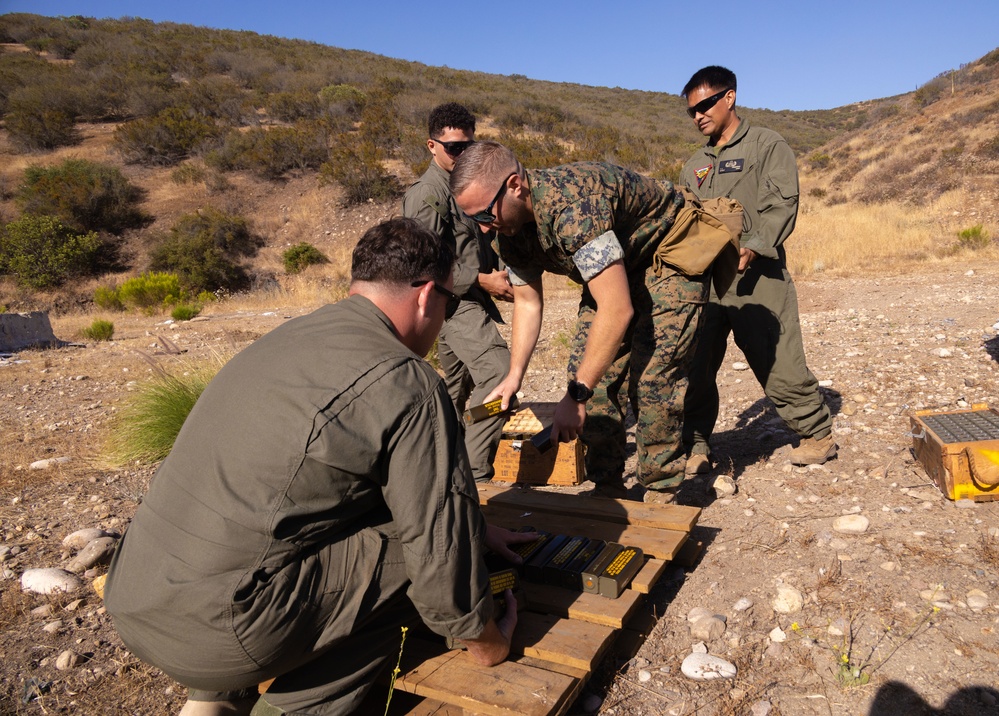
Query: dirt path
{"points": [[913, 599]]}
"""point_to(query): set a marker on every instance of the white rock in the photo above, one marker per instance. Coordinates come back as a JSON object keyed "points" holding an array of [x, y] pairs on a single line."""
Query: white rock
{"points": [[704, 667], [49, 580], [699, 613], [778, 635], [67, 660], [707, 628], [53, 627], [699, 647], [724, 486], [935, 594], [81, 538], [99, 551], [760, 708], [838, 627], [48, 463], [644, 675], [739, 365], [744, 604], [825, 383], [977, 599], [851, 524], [788, 601]]}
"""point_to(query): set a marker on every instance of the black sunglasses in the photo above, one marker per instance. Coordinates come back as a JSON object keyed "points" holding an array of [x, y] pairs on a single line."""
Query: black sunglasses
{"points": [[486, 216], [454, 148], [453, 299], [704, 105]]}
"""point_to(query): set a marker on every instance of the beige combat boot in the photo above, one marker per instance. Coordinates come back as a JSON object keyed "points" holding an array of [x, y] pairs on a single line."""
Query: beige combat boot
{"points": [[814, 451], [660, 497], [698, 464]]}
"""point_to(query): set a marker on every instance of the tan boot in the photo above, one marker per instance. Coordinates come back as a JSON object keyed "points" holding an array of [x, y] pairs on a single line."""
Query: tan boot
{"points": [[814, 451], [698, 464], [660, 497]]}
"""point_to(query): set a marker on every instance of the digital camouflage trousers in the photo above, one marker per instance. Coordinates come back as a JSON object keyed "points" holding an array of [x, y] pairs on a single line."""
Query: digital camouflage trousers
{"points": [[650, 373]]}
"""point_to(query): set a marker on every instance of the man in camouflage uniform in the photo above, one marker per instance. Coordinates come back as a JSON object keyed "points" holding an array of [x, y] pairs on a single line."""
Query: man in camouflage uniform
{"points": [[756, 167], [472, 353], [600, 225]]}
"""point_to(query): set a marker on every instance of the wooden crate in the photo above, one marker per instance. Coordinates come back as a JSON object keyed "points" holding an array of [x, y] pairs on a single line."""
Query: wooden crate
{"points": [[517, 460], [563, 635], [960, 451]]}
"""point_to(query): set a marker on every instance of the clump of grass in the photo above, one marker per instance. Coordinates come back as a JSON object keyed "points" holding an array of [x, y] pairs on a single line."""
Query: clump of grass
{"points": [[99, 330], [184, 312], [301, 256], [974, 238], [150, 420]]}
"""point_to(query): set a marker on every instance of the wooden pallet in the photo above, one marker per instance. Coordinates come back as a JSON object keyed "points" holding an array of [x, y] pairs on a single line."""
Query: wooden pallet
{"points": [[562, 636]]}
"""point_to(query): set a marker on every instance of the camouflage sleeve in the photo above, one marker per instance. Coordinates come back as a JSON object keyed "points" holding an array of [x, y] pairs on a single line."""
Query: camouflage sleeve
{"points": [[598, 254]]}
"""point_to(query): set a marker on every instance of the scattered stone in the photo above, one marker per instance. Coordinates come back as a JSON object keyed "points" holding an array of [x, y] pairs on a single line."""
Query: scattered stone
{"points": [[48, 463], [708, 628], [739, 365], [838, 627], [43, 611], [699, 613], [788, 601], [888, 566], [936, 594], [73, 605], [851, 524], [699, 647], [778, 635], [53, 627], [81, 538], [99, 551], [977, 599], [49, 580], [705, 667], [68, 660], [591, 703], [724, 486], [775, 650], [644, 675], [760, 708], [743, 605]]}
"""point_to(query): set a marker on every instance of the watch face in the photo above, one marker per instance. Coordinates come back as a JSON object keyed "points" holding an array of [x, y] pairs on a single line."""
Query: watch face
{"points": [[579, 392]]}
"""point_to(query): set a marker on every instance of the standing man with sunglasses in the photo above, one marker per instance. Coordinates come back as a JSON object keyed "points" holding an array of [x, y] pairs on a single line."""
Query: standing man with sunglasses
{"points": [[756, 167], [600, 225], [473, 354]]}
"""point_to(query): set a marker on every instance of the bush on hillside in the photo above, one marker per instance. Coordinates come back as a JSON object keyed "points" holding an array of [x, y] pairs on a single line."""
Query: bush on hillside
{"points": [[42, 117], [356, 165], [107, 297], [167, 138], [40, 252], [974, 238], [204, 249], [292, 106], [273, 152], [150, 291], [184, 312], [300, 256], [85, 195]]}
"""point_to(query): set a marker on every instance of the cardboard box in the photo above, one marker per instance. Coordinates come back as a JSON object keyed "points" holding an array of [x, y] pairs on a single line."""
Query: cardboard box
{"points": [[517, 460], [960, 451]]}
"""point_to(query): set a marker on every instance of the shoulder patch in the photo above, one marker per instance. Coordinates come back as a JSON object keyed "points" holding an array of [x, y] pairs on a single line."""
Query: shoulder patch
{"points": [[701, 173]]}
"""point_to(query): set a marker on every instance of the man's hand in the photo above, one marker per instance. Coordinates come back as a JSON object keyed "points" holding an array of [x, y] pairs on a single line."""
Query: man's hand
{"points": [[746, 257], [507, 389], [499, 539], [569, 419], [493, 645], [497, 284]]}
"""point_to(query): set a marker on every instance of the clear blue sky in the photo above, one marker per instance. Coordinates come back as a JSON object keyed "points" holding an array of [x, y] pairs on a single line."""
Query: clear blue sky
{"points": [[788, 54]]}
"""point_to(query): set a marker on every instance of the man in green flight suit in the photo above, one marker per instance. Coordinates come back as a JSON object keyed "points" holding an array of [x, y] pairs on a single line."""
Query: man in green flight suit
{"points": [[472, 353], [317, 497], [600, 225], [756, 167]]}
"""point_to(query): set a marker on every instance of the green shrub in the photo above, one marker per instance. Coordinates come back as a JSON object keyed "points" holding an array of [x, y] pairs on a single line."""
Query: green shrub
{"points": [[974, 238], [167, 138], [84, 195], [40, 252], [343, 98], [292, 106], [356, 165], [275, 151], [35, 123], [148, 423], [301, 256], [184, 312], [107, 298], [99, 330], [819, 160], [817, 192], [204, 248], [150, 291]]}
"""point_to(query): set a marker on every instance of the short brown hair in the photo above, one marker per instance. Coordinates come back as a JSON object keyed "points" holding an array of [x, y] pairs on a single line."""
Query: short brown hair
{"points": [[400, 251], [483, 160]]}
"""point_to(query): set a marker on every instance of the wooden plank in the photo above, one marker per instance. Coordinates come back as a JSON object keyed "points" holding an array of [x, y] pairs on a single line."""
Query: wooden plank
{"points": [[582, 674], [650, 574], [563, 641], [507, 689], [583, 606], [629, 512], [661, 544]]}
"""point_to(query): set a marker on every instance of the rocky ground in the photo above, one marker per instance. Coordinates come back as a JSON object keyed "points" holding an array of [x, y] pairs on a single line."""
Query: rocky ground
{"points": [[893, 610]]}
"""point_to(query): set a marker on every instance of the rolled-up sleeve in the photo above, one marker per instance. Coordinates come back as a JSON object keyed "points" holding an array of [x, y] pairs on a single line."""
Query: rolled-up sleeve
{"points": [[434, 504]]}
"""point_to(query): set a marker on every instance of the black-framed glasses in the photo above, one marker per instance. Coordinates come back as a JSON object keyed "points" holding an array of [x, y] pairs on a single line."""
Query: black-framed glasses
{"points": [[453, 299], [486, 216], [454, 148], [705, 105]]}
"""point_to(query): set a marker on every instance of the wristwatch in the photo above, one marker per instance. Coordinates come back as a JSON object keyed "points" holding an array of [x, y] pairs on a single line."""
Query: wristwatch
{"points": [[579, 391]]}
